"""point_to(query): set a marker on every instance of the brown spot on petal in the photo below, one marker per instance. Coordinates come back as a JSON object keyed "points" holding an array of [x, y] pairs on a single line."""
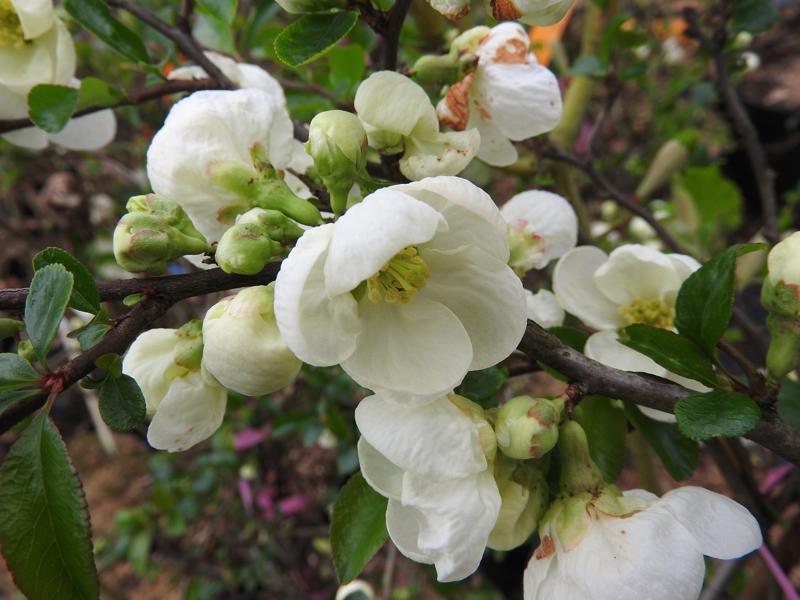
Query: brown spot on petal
{"points": [[514, 51], [455, 16], [546, 548], [456, 113], [485, 114], [505, 10]]}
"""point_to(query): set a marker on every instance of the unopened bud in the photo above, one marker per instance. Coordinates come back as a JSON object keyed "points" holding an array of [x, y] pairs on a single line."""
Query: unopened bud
{"points": [[579, 474], [780, 295], [26, 351], [669, 159], [524, 495], [528, 427], [441, 69], [783, 355], [247, 246], [10, 327]]}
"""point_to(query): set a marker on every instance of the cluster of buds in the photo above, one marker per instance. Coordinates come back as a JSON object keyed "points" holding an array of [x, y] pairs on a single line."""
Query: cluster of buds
{"points": [[255, 238], [780, 295]]}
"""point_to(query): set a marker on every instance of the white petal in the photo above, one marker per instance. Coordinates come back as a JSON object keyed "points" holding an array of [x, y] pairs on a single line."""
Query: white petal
{"points": [[35, 16], [50, 58], [253, 76], [420, 349], [496, 149], [575, 289], [549, 216], [191, 412], [543, 308], [472, 216], [319, 330], [368, 235], [403, 523], [12, 105], [381, 474], [147, 360], [440, 154], [723, 528], [486, 296], [452, 9], [434, 440], [636, 271], [505, 40], [90, 132], [542, 581], [29, 137], [641, 494], [538, 12], [392, 102]]}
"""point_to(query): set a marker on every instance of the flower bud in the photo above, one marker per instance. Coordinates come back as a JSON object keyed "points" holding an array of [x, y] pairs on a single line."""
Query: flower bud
{"points": [[579, 474], [531, 12], [26, 351], [528, 427], [243, 348], [783, 355], [337, 142], [669, 159], [524, 494], [780, 295], [248, 245], [154, 232], [10, 327]]}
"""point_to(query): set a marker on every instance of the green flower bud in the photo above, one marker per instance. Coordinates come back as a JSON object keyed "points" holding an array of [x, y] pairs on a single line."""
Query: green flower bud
{"points": [[780, 295], [579, 474], [528, 427], [783, 355], [441, 69], [10, 328], [154, 232], [26, 351], [337, 142], [250, 244], [524, 495], [669, 159]]}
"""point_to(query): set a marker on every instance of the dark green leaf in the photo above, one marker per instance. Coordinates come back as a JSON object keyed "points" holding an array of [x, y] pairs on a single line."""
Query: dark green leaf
{"points": [[95, 16], [10, 327], [572, 337], [346, 69], [49, 294], [90, 334], [674, 352], [85, 296], [678, 453], [753, 15], [481, 386], [222, 10], [789, 402], [110, 362], [716, 414], [96, 92], [9, 398], [51, 106], [44, 524], [358, 527], [590, 66], [605, 426], [311, 36], [705, 300], [15, 371], [122, 404]]}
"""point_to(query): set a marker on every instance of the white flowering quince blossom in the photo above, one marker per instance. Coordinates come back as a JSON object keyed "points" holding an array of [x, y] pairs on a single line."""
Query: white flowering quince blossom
{"points": [[531, 12], [508, 97], [398, 117], [187, 404], [543, 308], [36, 48], [634, 284], [242, 347], [434, 464], [221, 153], [408, 290], [542, 226]]}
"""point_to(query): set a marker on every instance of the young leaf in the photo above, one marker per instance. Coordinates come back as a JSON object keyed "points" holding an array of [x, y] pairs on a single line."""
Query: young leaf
{"points": [[122, 404], [15, 371], [96, 92], [9, 398], [789, 402], [311, 36], [49, 294], [95, 16], [716, 414], [51, 106], [85, 296], [222, 10], [705, 300], [678, 453], [92, 332], [44, 524], [674, 352], [605, 427], [481, 386], [358, 527]]}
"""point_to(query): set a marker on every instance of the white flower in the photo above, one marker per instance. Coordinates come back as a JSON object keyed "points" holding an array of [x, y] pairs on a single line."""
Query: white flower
{"points": [[509, 97], [36, 48], [544, 309], [212, 145], [243, 348], [408, 290], [783, 262], [653, 550], [433, 462], [187, 404], [399, 117], [531, 12], [542, 226]]}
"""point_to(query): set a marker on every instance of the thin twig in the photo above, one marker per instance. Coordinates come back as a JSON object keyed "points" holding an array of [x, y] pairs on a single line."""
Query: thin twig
{"points": [[394, 24]]}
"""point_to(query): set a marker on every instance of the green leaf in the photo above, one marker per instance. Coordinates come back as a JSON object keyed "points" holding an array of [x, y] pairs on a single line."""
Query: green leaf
{"points": [[92, 332], [49, 294], [358, 527], [51, 106], [15, 371], [122, 404], [674, 352], [112, 363], [85, 296], [705, 301], [717, 199], [589, 66], [753, 15], [9, 398], [789, 402], [481, 386], [346, 69], [572, 337], [95, 16], [678, 453], [222, 10], [44, 524], [311, 36], [96, 92], [605, 426], [716, 414]]}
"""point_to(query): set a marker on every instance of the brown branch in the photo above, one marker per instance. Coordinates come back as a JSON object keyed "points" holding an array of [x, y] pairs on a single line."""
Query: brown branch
{"points": [[133, 98], [394, 23], [646, 390]]}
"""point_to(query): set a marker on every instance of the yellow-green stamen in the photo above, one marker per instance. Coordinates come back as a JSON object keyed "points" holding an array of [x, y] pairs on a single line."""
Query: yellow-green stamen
{"points": [[653, 312], [399, 279], [11, 34]]}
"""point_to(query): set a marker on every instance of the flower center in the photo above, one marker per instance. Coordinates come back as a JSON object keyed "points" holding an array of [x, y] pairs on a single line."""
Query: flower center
{"points": [[525, 245], [11, 35], [399, 279], [650, 312]]}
